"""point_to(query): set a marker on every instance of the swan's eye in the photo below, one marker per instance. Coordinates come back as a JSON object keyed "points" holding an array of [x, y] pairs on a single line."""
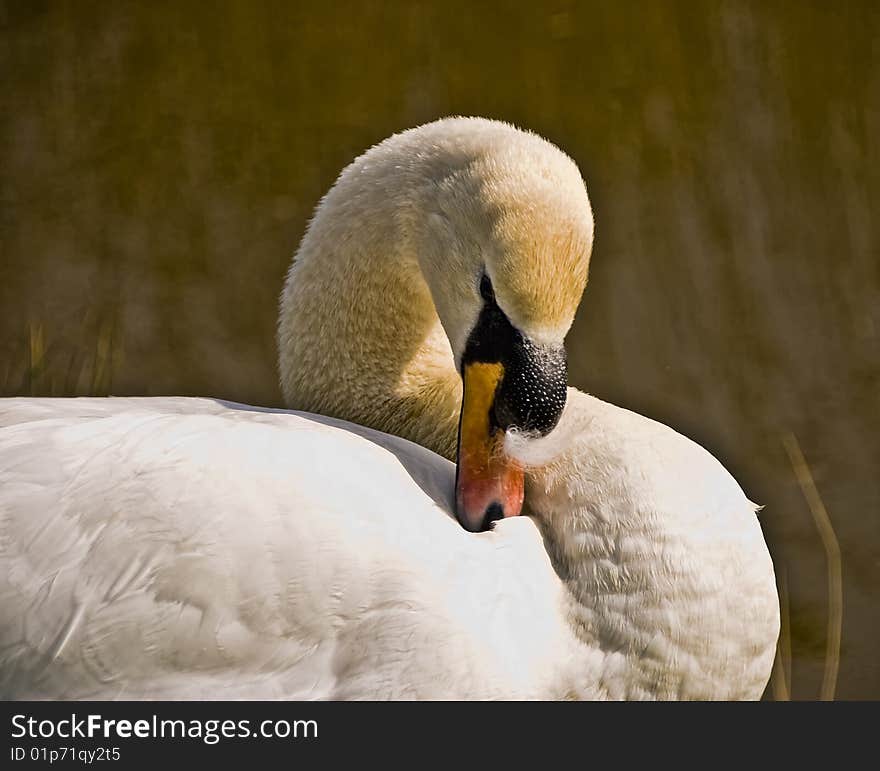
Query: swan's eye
{"points": [[486, 291]]}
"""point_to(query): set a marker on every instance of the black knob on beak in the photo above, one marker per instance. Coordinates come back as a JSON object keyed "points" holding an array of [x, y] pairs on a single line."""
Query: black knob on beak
{"points": [[532, 393]]}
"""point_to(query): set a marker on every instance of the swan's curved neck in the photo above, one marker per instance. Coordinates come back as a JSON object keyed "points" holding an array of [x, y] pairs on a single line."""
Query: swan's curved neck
{"points": [[359, 336]]}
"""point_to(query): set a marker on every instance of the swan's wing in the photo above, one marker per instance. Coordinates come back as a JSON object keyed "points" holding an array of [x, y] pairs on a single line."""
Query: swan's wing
{"points": [[180, 549]]}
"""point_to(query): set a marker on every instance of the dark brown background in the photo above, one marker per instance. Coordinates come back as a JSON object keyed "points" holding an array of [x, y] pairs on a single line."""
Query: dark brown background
{"points": [[159, 161]]}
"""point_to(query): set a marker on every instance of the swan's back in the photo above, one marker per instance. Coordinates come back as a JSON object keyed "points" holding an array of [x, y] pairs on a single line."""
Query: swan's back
{"points": [[162, 548]]}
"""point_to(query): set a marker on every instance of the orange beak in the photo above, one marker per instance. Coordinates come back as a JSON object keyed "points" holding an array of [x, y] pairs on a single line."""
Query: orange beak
{"points": [[488, 484]]}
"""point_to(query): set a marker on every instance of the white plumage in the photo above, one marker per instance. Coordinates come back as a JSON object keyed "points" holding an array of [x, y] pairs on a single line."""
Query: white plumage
{"points": [[189, 548], [192, 548]]}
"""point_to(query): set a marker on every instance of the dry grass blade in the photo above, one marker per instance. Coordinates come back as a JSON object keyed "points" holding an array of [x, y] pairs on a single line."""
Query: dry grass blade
{"points": [[781, 679], [832, 553]]}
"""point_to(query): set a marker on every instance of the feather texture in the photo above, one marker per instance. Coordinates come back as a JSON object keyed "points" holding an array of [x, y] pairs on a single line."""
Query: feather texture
{"points": [[189, 548]]}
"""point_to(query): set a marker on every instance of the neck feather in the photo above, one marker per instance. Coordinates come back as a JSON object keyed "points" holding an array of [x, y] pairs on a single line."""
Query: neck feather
{"points": [[359, 337], [669, 581]]}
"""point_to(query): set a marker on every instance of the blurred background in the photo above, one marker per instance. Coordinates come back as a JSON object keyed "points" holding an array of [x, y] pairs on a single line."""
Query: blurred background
{"points": [[160, 160]]}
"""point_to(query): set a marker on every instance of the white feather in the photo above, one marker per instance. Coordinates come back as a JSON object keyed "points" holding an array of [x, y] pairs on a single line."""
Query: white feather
{"points": [[189, 548]]}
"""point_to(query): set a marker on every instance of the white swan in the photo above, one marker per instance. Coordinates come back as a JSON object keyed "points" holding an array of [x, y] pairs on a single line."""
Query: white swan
{"points": [[189, 548]]}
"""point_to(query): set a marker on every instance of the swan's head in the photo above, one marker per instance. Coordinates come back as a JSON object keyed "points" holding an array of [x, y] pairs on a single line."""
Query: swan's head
{"points": [[503, 241], [471, 222]]}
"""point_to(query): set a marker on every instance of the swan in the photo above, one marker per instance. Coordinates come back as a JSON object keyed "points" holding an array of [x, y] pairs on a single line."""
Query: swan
{"points": [[195, 548]]}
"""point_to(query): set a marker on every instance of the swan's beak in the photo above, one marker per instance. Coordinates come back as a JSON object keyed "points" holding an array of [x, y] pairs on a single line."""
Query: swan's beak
{"points": [[488, 484], [510, 382]]}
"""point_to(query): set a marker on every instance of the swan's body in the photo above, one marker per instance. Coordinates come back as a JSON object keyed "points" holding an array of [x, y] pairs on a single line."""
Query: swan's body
{"points": [[186, 548]]}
